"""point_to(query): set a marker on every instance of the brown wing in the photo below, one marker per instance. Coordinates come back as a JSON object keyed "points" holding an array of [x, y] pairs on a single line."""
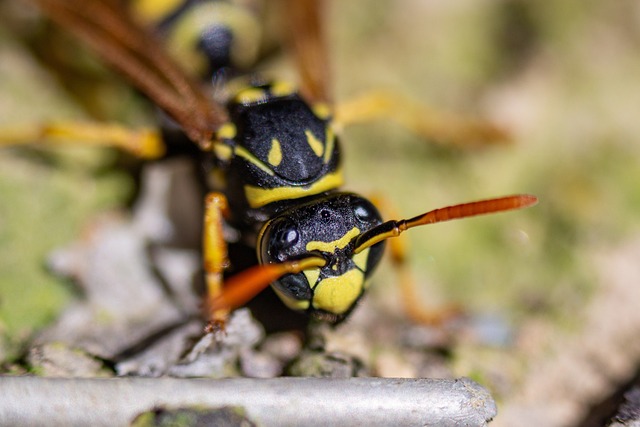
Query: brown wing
{"points": [[136, 54], [308, 45]]}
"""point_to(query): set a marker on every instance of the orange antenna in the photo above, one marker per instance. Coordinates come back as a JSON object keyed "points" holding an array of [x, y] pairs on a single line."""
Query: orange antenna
{"points": [[393, 228], [245, 285]]}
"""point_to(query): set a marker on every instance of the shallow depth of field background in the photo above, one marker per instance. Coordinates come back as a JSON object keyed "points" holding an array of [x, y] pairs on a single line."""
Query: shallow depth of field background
{"points": [[561, 76]]}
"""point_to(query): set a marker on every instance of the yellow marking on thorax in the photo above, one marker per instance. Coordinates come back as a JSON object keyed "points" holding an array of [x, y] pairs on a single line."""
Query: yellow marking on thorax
{"points": [[282, 88], [331, 141], [321, 110], [336, 244], [248, 156], [227, 131], [222, 151], [258, 196], [314, 143], [250, 95], [338, 294], [275, 154]]}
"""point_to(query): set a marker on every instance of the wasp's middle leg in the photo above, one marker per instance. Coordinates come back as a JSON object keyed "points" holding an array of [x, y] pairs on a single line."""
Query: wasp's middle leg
{"points": [[145, 143]]}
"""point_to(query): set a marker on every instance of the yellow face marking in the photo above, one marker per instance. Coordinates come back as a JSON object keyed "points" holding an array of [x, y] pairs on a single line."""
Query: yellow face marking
{"points": [[292, 303], [321, 110], [312, 276], [337, 294], [361, 259], [226, 131], [314, 143], [258, 197], [331, 141], [250, 95], [242, 152], [336, 244], [282, 88], [275, 154]]}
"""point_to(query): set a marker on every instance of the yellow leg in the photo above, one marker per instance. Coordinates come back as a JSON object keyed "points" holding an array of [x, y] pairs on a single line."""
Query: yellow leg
{"points": [[420, 119], [223, 296], [416, 311], [215, 257], [144, 143], [411, 300]]}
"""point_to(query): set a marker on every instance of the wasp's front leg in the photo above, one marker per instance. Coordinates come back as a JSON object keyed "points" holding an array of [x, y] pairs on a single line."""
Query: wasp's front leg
{"points": [[215, 258]]}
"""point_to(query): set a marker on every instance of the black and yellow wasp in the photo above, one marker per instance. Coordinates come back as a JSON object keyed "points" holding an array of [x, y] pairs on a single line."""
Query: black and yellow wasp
{"points": [[275, 148]]}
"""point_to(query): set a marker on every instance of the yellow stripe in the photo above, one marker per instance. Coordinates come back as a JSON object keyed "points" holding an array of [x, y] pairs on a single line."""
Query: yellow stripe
{"points": [[244, 153], [314, 143], [331, 140], [258, 197], [336, 244]]}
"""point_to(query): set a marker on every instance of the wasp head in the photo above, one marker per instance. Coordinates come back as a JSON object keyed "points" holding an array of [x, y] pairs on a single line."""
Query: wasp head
{"points": [[327, 228]]}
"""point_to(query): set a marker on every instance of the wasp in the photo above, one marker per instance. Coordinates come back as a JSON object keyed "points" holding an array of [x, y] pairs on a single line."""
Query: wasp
{"points": [[278, 155]]}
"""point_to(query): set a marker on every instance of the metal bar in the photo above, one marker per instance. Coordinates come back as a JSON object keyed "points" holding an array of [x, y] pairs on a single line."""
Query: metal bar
{"points": [[28, 401]]}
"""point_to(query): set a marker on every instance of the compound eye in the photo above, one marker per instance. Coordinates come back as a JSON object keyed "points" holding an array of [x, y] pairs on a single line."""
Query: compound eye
{"points": [[283, 238], [365, 212]]}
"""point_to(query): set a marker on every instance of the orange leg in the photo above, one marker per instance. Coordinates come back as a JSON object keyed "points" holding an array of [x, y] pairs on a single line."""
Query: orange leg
{"points": [[144, 143]]}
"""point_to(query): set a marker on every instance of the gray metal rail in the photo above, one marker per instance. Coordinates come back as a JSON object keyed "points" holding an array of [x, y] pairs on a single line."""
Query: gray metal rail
{"points": [[29, 401]]}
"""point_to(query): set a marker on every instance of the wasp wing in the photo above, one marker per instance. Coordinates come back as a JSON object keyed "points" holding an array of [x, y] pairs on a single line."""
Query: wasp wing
{"points": [[307, 42], [106, 27]]}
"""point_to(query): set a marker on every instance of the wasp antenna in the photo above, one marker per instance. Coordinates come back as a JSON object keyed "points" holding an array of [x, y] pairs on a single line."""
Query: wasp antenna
{"points": [[465, 210], [242, 287], [393, 228]]}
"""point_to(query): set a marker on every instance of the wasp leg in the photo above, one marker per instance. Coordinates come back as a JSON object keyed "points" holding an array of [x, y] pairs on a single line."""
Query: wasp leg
{"points": [[420, 119], [144, 143], [215, 258], [414, 309]]}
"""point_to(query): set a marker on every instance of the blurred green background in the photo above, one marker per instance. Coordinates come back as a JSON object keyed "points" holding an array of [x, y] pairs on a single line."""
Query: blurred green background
{"points": [[562, 77]]}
